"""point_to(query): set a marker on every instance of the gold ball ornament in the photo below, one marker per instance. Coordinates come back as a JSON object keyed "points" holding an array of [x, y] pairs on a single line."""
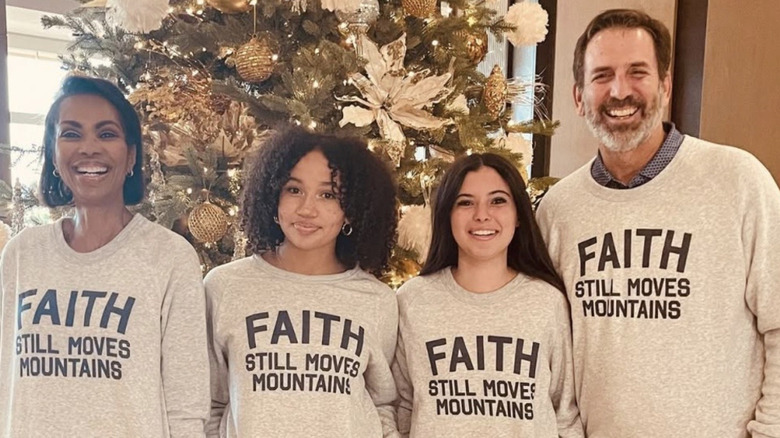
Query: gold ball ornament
{"points": [[476, 44], [230, 6], [254, 60], [495, 93], [419, 8], [207, 222]]}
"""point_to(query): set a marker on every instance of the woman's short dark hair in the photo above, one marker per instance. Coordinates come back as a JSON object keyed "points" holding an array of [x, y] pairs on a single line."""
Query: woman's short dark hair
{"points": [[627, 19], [53, 191], [366, 190], [527, 252]]}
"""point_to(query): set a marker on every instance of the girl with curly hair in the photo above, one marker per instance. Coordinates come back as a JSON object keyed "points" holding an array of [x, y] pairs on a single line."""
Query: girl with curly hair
{"points": [[484, 345], [302, 335]]}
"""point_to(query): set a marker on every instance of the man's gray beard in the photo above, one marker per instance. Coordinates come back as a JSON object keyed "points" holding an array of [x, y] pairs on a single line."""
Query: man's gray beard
{"points": [[624, 140]]}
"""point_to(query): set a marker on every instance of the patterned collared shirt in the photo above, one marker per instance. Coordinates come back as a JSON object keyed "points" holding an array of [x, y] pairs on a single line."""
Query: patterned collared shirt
{"points": [[660, 160]]}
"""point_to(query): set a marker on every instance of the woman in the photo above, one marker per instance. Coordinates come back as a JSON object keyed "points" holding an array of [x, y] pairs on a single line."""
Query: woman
{"points": [[302, 334], [484, 340], [103, 328]]}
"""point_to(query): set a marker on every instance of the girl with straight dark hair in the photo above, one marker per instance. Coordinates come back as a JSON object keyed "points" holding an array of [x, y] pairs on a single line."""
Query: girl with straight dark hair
{"points": [[484, 343]]}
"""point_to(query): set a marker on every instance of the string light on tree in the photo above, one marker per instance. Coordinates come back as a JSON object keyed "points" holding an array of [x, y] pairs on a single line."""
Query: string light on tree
{"points": [[418, 108], [230, 6]]}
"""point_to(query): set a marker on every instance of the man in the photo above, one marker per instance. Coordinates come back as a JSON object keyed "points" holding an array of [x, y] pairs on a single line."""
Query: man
{"points": [[667, 245]]}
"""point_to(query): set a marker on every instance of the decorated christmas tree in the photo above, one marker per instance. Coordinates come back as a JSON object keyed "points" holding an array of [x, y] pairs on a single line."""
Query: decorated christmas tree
{"points": [[213, 78]]}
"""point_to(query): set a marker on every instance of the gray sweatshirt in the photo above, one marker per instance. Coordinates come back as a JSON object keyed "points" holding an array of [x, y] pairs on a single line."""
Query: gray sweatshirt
{"points": [[494, 364], [675, 296], [110, 343], [297, 355]]}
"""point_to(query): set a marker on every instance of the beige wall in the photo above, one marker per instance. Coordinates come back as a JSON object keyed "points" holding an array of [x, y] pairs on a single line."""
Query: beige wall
{"points": [[573, 145], [740, 89]]}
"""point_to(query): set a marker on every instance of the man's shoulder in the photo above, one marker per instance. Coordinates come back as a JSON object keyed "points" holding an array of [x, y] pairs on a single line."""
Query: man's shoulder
{"points": [[715, 152], [570, 186], [722, 160]]}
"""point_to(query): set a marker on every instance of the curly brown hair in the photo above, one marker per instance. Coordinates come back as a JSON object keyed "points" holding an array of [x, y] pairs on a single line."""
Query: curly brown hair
{"points": [[367, 195]]}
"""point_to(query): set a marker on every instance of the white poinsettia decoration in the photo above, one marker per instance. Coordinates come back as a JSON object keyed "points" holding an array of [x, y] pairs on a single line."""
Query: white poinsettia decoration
{"points": [[518, 143], [393, 96], [346, 6], [135, 16], [530, 22], [414, 230], [459, 104]]}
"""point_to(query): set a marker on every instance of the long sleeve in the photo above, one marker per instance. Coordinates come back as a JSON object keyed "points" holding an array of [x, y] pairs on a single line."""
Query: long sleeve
{"points": [[220, 392], [405, 389], [562, 391], [760, 235], [184, 364], [379, 379]]}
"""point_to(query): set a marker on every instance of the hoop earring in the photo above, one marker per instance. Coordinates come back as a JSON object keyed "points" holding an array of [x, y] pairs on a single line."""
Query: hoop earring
{"points": [[55, 173], [346, 229], [276, 219], [130, 174]]}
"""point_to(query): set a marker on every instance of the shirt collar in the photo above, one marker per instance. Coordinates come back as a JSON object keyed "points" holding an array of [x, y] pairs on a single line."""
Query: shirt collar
{"points": [[660, 160]]}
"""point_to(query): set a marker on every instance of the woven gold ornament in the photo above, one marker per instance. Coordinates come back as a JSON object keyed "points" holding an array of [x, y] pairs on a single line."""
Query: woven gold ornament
{"points": [[476, 44], [495, 93], [254, 60], [207, 222], [419, 8], [230, 6]]}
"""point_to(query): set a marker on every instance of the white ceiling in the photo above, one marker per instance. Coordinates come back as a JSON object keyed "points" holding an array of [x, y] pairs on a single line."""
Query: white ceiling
{"points": [[23, 21], [50, 6], [25, 32]]}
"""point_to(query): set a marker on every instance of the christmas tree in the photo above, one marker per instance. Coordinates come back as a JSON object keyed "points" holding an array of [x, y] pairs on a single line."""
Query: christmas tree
{"points": [[212, 78]]}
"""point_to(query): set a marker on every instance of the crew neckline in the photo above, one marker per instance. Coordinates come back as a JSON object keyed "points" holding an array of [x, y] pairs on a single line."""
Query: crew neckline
{"points": [[101, 253], [640, 192], [266, 267], [481, 298]]}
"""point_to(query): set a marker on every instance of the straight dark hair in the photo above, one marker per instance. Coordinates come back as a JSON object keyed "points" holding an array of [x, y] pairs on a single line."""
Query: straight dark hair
{"points": [[53, 191], [527, 251]]}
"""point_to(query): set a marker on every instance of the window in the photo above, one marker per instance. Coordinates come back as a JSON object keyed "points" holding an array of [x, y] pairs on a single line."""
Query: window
{"points": [[34, 75], [33, 80]]}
